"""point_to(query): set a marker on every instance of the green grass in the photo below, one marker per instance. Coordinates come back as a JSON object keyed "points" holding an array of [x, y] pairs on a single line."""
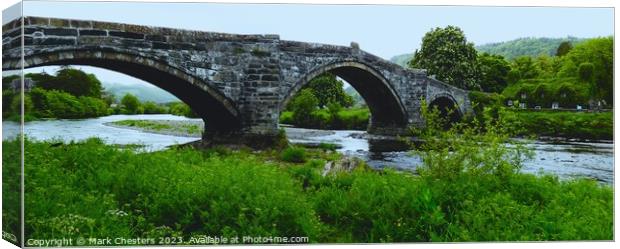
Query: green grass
{"points": [[293, 154], [105, 191], [159, 126]]}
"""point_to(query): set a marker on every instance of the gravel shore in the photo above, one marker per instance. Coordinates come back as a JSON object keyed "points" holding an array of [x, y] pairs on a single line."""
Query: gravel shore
{"points": [[291, 132], [172, 132]]}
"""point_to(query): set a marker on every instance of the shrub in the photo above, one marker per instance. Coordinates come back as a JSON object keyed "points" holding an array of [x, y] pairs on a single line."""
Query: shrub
{"points": [[151, 107], [293, 154], [303, 105]]}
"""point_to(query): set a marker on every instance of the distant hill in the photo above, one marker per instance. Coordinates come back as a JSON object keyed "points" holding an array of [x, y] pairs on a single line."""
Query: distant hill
{"points": [[526, 46], [357, 98], [511, 49], [402, 59], [144, 92]]}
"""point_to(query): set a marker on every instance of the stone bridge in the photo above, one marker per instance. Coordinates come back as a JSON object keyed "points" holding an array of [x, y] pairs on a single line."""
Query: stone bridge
{"points": [[238, 84]]}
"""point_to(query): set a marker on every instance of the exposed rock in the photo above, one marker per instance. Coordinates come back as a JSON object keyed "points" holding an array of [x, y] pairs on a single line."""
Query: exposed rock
{"points": [[345, 164]]}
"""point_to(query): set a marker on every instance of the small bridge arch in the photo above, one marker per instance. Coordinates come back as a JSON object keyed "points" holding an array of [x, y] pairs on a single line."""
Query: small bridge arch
{"points": [[447, 106]]}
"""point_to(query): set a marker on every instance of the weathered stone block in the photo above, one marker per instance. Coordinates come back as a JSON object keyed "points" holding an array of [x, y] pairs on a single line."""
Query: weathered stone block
{"points": [[59, 22], [108, 25], [92, 32], [81, 24], [60, 32], [37, 21], [55, 41], [123, 34]]}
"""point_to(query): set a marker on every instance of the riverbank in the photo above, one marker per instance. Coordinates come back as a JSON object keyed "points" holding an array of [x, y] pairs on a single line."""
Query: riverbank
{"points": [[193, 128], [181, 128], [115, 192], [566, 160], [561, 125]]}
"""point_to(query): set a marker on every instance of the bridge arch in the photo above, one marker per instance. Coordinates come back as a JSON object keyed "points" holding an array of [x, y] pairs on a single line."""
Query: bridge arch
{"points": [[385, 105], [447, 106], [206, 101]]}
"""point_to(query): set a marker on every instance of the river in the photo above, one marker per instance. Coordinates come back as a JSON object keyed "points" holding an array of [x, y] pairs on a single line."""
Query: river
{"points": [[566, 160]]}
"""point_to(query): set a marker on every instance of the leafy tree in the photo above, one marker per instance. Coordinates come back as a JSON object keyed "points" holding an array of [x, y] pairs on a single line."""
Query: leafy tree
{"points": [[70, 80], [564, 48], [181, 109], [328, 89], [446, 53], [151, 107], [303, 105], [586, 71], [514, 75], [567, 68], [526, 67], [493, 72], [131, 103], [16, 104], [599, 52], [547, 66]]}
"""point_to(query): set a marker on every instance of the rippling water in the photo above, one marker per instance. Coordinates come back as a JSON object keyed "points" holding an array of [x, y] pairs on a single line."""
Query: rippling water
{"points": [[75, 130], [566, 160]]}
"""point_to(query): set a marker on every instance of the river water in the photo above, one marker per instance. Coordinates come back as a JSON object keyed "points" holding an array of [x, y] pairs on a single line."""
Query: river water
{"points": [[566, 160]]}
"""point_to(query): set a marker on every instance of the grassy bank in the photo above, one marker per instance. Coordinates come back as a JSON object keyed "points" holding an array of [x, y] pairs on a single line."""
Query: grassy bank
{"points": [[580, 125], [104, 191], [345, 119], [167, 127]]}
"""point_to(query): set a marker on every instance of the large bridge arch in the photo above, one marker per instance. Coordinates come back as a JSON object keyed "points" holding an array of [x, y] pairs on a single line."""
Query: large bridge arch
{"points": [[218, 112], [385, 105]]}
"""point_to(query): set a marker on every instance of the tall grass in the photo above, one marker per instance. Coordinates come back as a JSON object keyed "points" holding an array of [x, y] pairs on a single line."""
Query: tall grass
{"points": [[469, 189]]}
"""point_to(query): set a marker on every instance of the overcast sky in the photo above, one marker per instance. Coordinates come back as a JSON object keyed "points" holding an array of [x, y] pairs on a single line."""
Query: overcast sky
{"points": [[385, 31]]}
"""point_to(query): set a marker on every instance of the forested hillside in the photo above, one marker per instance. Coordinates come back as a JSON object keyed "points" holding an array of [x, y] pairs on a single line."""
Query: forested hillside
{"points": [[527, 46]]}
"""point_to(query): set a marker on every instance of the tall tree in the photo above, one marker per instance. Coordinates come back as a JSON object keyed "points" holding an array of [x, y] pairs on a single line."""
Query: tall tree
{"points": [[328, 89], [446, 54], [599, 52], [493, 72], [131, 103], [563, 49], [73, 81], [526, 67]]}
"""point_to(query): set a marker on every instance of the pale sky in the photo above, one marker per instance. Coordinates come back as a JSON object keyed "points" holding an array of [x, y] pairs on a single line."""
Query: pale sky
{"points": [[385, 31]]}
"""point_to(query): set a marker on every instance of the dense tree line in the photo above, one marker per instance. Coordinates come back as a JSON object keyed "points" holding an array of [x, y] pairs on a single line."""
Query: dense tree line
{"points": [[583, 70], [72, 93]]}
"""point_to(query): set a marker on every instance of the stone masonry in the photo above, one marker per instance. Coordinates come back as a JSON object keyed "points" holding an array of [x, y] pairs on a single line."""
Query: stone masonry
{"points": [[238, 84]]}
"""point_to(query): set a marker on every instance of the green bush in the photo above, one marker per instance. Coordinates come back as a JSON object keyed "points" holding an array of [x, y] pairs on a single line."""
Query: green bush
{"points": [[303, 106], [181, 109], [58, 104], [151, 107], [293, 154]]}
